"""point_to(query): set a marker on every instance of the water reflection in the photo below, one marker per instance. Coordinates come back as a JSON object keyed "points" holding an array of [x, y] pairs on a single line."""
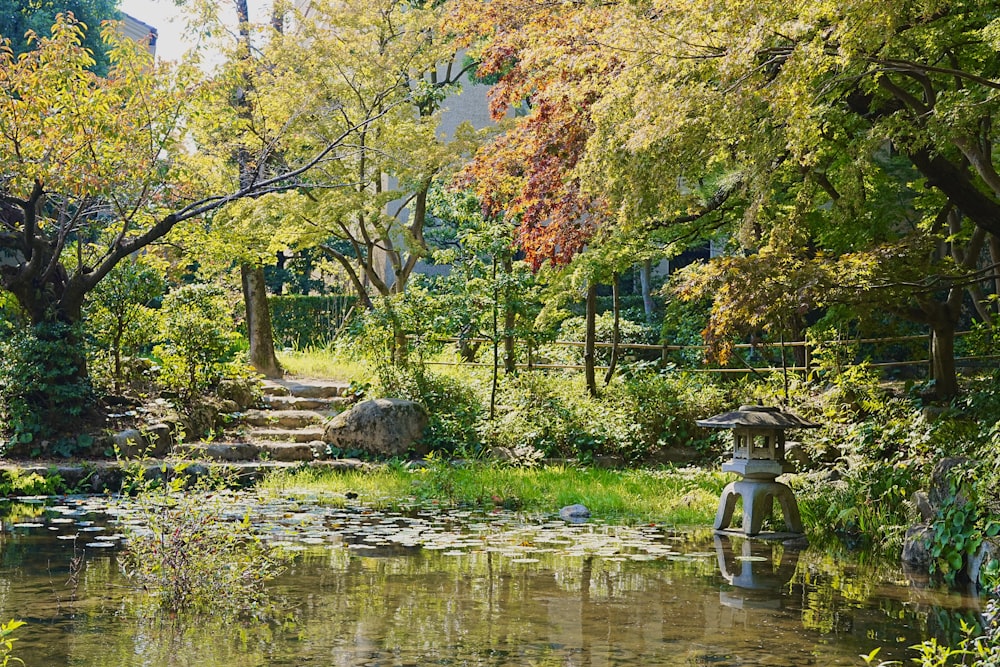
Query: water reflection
{"points": [[758, 573], [464, 588]]}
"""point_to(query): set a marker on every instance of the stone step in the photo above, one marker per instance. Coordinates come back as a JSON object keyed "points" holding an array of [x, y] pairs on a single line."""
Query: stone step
{"points": [[292, 451], [283, 418], [218, 451], [305, 388], [332, 404], [307, 434]]}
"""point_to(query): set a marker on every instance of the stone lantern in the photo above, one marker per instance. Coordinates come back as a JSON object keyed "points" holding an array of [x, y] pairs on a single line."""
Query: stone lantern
{"points": [[758, 457]]}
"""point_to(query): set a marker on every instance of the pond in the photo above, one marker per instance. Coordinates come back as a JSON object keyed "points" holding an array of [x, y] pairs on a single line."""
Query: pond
{"points": [[453, 587]]}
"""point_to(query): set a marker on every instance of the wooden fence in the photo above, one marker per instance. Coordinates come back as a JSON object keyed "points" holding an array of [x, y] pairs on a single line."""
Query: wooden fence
{"points": [[740, 365]]}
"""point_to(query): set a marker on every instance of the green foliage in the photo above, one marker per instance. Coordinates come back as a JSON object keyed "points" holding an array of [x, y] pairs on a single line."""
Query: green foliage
{"points": [[650, 411], [866, 506], [973, 648], [962, 523], [983, 340], [193, 557], [16, 482], [683, 322], [18, 17], [395, 331], [638, 416], [199, 338], [11, 316], [119, 314], [42, 394], [546, 413], [7, 642], [300, 321], [486, 293], [574, 329]]}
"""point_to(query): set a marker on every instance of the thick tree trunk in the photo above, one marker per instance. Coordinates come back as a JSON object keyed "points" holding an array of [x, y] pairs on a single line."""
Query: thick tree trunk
{"points": [[942, 318], [943, 370], [259, 329], [590, 347]]}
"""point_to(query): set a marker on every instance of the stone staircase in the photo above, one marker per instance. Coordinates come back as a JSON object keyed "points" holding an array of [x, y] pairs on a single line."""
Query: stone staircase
{"points": [[288, 428], [285, 432]]}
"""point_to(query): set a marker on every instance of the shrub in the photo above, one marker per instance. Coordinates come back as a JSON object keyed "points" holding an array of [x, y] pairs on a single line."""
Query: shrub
{"points": [[454, 406], [574, 329], [189, 553], [963, 523], [200, 339], [683, 322], [119, 315], [42, 393], [649, 411], [544, 412], [11, 316]]}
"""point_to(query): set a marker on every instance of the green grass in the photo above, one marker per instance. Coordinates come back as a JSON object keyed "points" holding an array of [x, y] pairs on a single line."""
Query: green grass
{"points": [[322, 363], [679, 497]]}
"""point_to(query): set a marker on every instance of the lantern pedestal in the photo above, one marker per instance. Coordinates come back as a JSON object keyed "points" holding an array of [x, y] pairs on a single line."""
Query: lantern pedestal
{"points": [[758, 499]]}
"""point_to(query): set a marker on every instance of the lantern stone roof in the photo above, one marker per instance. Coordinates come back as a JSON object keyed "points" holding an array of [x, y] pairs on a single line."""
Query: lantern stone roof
{"points": [[756, 416]]}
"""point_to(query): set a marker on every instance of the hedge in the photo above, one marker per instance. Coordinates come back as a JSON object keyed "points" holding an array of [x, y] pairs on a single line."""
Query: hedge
{"points": [[300, 321]]}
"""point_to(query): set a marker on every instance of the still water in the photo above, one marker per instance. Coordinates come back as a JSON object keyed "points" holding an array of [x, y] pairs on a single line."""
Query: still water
{"points": [[436, 587]]}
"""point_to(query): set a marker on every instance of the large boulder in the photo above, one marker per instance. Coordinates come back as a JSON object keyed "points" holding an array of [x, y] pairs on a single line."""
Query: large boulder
{"points": [[383, 426]]}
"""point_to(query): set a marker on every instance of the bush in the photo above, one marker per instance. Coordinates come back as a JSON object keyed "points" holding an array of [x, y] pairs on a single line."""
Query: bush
{"points": [[43, 396], [119, 316], [649, 411], [574, 329], [11, 316], [454, 406], [200, 339], [683, 322], [543, 412], [192, 558]]}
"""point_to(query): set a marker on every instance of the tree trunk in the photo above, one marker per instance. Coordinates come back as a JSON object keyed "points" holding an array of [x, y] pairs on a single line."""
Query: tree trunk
{"points": [[496, 346], [645, 280], [615, 329], [943, 369], [509, 318], [590, 346], [259, 330], [994, 244], [942, 318], [279, 270]]}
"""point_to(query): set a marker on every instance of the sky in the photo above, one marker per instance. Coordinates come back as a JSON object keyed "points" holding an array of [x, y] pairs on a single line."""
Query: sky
{"points": [[164, 16]]}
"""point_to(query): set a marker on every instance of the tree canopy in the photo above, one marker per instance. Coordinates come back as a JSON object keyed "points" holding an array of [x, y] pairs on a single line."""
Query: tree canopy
{"points": [[96, 168], [386, 61], [844, 149]]}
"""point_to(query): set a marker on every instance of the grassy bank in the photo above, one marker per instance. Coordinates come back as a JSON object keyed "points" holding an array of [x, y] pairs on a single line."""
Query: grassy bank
{"points": [[680, 497]]}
